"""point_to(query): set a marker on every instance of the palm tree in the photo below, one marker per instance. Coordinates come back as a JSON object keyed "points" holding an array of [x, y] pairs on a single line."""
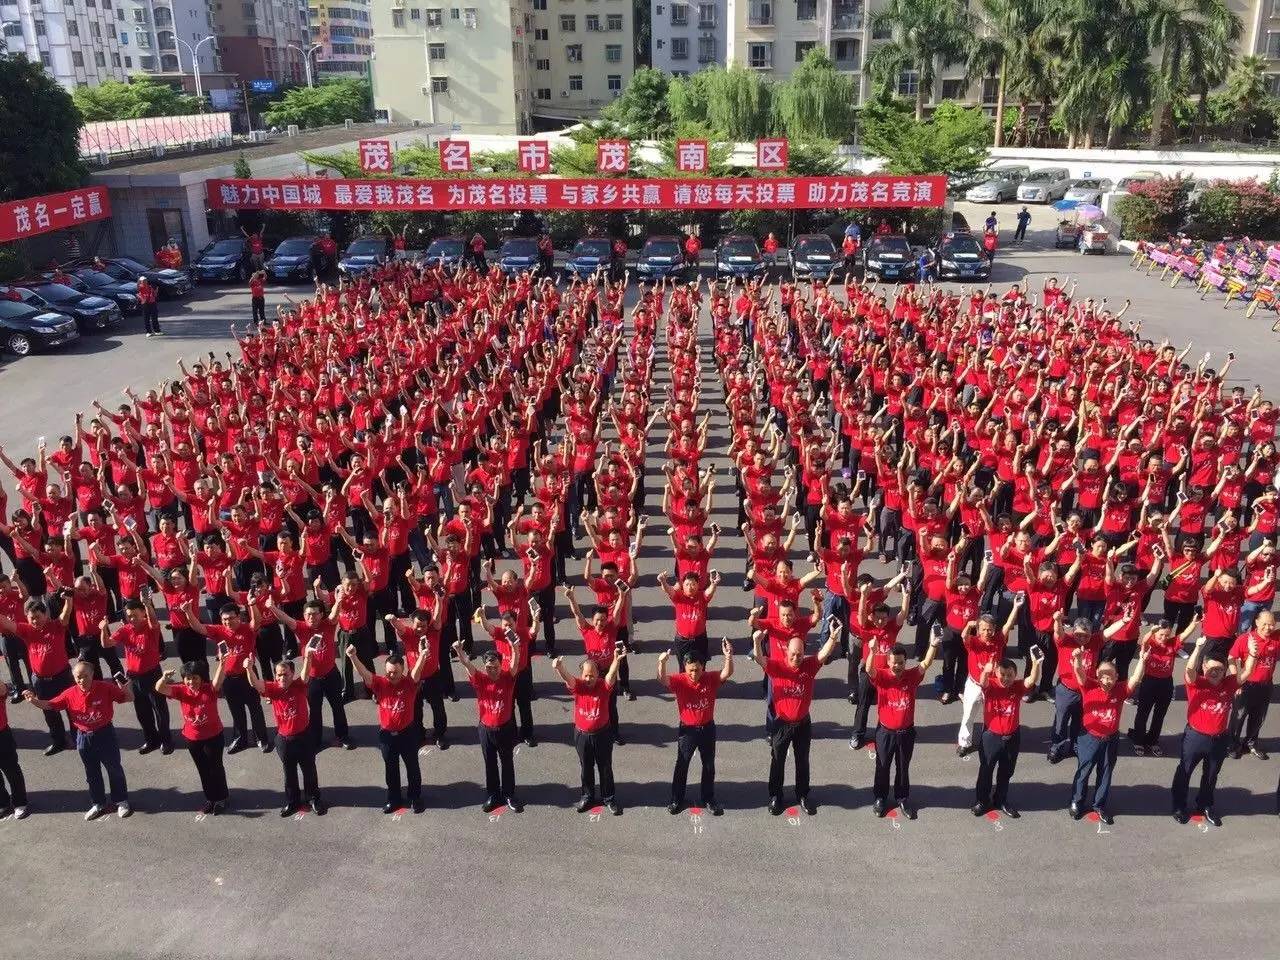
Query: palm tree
{"points": [[1009, 50], [1194, 39], [926, 34]]}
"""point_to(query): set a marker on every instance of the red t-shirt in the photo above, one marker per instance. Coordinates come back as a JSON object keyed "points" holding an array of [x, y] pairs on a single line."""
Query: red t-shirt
{"points": [[691, 615], [896, 697], [394, 700], [1264, 667], [1102, 708], [494, 698], [695, 701], [46, 647], [591, 705], [1209, 704], [792, 687], [1002, 706], [289, 704], [91, 710], [142, 647], [241, 642], [200, 719]]}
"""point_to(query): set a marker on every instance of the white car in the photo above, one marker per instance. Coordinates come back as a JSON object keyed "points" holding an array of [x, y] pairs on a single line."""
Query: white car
{"points": [[1001, 184], [1088, 190], [1045, 185]]}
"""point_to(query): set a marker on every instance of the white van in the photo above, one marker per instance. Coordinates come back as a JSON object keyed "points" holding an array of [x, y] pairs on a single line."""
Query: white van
{"points": [[1045, 185]]}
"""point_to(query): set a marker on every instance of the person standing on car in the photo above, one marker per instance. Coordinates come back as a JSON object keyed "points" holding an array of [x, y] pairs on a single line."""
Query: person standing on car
{"points": [[477, 253], [770, 248], [1024, 218], [692, 249], [257, 249], [849, 249], [258, 295], [546, 255], [619, 259], [148, 296]]}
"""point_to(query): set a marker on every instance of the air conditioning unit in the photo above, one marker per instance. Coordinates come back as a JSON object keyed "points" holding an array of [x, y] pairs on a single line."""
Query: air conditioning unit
{"points": [[157, 151], [348, 123], [291, 130], [258, 136], [417, 123], [102, 158]]}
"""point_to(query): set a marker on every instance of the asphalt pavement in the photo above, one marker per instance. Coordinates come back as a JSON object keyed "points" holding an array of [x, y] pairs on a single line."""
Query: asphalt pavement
{"points": [[550, 883]]}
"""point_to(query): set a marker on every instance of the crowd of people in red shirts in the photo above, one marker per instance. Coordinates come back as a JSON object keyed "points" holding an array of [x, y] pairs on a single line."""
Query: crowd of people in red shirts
{"points": [[418, 456]]}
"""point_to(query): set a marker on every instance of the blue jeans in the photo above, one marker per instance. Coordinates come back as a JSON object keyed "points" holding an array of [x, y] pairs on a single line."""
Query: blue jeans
{"points": [[1067, 710], [1094, 752], [1198, 748], [1249, 611], [1091, 609], [98, 750], [837, 606]]}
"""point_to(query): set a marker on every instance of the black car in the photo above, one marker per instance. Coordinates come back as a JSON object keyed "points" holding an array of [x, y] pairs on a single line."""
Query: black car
{"points": [[168, 282], [294, 259], [889, 256], [738, 256], [363, 254], [446, 252], [518, 255], [24, 328], [90, 312], [589, 256], [959, 256], [227, 258], [813, 256], [660, 257], [89, 280]]}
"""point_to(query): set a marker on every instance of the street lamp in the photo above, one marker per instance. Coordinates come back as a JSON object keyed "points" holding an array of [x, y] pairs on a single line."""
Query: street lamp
{"points": [[306, 57], [195, 62]]}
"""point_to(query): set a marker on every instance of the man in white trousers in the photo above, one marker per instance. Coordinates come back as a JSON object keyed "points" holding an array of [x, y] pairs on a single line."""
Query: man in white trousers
{"points": [[984, 643]]}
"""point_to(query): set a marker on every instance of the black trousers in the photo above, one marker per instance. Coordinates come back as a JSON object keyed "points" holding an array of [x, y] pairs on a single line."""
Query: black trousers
{"points": [[797, 737], [15, 655], [997, 756], [701, 740], [151, 317], [595, 752], [297, 754], [498, 744], [320, 689], [1249, 711], [894, 749], [13, 786], [866, 697], [399, 747], [207, 756], [152, 708], [1154, 696], [1199, 750], [259, 306], [242, 699], [431, 692], [686, 645], [46, 688]]}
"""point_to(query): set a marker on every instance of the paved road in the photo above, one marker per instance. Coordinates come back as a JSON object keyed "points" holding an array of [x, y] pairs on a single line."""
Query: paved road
{"points": [[455, 882]]}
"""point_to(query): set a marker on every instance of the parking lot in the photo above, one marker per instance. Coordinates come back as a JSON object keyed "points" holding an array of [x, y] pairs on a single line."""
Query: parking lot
{"points": [[550, 883]]}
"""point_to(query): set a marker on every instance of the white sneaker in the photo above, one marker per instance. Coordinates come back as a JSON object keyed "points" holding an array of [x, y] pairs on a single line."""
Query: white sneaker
{"points": [[148, 336], [20, 813], [94, 812], [123, 809]]}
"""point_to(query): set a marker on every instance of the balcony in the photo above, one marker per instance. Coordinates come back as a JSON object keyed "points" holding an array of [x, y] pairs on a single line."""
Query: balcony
{"points": [[166, 42], [847, 17], [760, 16]]}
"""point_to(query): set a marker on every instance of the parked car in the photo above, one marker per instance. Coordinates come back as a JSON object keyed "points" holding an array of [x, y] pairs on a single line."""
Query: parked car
{"points": [[24, 328], [227, 258], [1044, 185], [363, 254], [1002, 184], [294, 259], [518, 255], [959, 256], [660, 257], [589, 256], [169, 283], [889, 256], [813, 256], [90, 312], [88, 280], [1088, 190], [738, 256], [445, 251], [1138, 176]]}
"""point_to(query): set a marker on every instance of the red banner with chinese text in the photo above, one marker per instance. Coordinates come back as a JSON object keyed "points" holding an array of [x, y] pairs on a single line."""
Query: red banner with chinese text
{"points": [[784, 193], [53, 211]]}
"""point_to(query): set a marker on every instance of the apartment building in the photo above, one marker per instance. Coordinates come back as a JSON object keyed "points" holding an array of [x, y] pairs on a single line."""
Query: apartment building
{"points": [[467, 67], [687, 35], [262, 39], [157, 37], [76, 42], [581, 56], [344, 31]]}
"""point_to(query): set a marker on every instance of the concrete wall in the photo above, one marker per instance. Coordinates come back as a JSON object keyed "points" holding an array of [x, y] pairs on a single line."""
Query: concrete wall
{"points": [[1114, 164]]}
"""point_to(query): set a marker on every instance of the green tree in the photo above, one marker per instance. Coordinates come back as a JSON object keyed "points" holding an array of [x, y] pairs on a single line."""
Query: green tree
{"points": [[332, 102], [817, 101], [1010, 51], [113, 100], [1193, 39], [953, 140], [39, 132], [240, 170], [1244, 99], [736, 103], [926, 34], [642, 107]]}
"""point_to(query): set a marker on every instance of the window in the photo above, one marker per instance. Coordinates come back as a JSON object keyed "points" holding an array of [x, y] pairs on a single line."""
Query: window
{"points": [[73, 28], [679, 15], [120, 13], [990, 89], [760, 55], [139, 16], [539, 4], [679, 48], [953, 90], [1275, 8], [542, 93], [414, 14], [115, 59], [806, 9], [568, 23], [908, 83], [573, 52], [124, 38], [100, 59], [706, 49], [613, 21], [469, 18], [435, 51], [542, 64], [1273, 84], [614, 81], [250, 12], [803, 47], [540, 34], [760, 13], [45, 58], [435, 17], [397, 19], [39, 28], [128, 63], [706, 16], [95, 30], [846, 54], [613, 53], [575, 82], [592, 23], [881, 31], [77, 58]]}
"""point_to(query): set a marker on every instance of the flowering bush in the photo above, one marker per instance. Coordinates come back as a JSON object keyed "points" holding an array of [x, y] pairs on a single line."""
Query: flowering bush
{"points": [[1236, 208]]}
